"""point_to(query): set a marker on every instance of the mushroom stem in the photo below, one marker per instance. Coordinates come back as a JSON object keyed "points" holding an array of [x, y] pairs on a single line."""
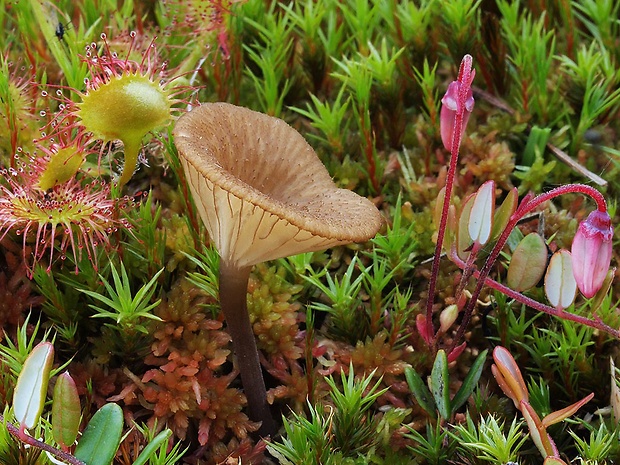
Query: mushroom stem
{"points": [[233, 301]]}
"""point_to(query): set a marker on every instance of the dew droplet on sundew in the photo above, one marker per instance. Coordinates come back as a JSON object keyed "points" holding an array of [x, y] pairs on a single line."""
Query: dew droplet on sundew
{"points": [[19, 149], [42, 113], [18, 232], [43, 93], [103, 36], [132, 34]]}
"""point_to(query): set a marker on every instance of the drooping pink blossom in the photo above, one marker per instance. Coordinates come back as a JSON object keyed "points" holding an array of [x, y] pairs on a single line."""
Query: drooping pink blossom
{"points": [[591, 251]]}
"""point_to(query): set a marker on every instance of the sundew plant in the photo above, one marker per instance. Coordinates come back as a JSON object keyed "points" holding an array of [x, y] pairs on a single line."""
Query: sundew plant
{"points": [[309, 232]]}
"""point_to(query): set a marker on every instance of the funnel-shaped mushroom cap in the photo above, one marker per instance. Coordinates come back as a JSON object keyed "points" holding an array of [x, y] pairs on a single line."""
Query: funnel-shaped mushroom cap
{"points": [[261, 190]]}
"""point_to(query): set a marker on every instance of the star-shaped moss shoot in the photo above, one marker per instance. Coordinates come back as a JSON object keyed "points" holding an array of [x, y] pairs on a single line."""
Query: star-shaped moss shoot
{"points": [[263, 194], [124, 99]]}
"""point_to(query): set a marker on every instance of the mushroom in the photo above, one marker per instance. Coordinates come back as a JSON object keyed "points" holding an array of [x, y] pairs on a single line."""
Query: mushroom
{"points": [[262, 194]]}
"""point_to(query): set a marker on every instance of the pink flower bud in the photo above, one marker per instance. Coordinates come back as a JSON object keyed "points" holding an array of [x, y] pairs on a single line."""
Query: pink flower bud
{"points": [[591, 251], [459, 100]]}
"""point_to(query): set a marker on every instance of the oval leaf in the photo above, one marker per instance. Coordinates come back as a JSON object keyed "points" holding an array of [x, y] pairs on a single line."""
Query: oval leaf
{"points": [[504, 212], [528, 263], [481, 217], [31, 388], [560, 284], [463, 241], [66, 411], [102, 436], [440, 384]]}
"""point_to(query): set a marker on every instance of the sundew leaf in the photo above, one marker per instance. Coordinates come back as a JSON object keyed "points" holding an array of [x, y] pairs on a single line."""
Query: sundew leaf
{"points": [[102, 436]]}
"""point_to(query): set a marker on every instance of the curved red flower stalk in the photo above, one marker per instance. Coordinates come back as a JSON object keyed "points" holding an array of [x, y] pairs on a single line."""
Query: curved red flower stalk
{"points": [[529, 203], [457, 106], [595, 323]]}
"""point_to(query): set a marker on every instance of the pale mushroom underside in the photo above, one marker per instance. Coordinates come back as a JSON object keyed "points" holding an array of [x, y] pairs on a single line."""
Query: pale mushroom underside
{"points": [[261, 190]]}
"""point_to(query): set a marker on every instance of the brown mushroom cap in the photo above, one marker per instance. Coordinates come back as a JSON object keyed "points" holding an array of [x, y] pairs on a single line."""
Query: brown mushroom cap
{"points": [[261, 190]]}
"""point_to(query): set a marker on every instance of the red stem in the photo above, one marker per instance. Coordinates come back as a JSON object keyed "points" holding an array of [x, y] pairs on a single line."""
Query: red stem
{"points": [[465, 80], [24, 438], [528, 204], [535, 304]]}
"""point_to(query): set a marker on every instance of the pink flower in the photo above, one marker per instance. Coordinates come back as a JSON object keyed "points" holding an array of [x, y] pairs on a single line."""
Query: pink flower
{"points": [[458, 102], [591, 251]]}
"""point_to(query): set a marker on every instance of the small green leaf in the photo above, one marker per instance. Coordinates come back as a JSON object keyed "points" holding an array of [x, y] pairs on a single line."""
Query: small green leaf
{"points": [[504, 212], [463, 241], [470, 382], [102, 436], [420, 391], [66, 411], [31, 388], [152, 447], [440, 384], [528, 263]]}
